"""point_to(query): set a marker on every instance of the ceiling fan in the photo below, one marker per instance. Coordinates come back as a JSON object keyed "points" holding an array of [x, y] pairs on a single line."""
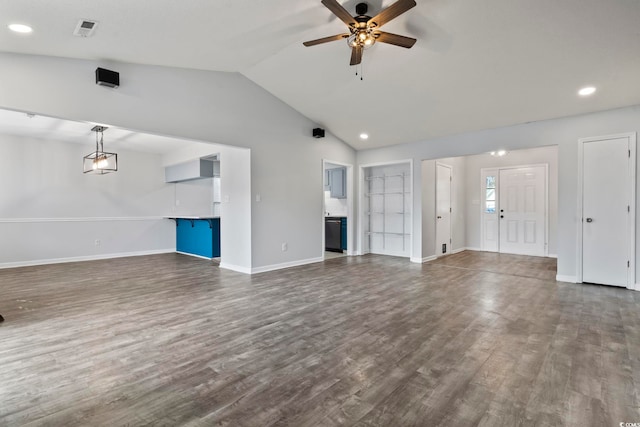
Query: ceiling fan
{"points": [[364, 30]]}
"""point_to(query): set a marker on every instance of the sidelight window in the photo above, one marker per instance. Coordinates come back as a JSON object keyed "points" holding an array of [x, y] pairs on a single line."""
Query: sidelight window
{"points": [[490, 194]]}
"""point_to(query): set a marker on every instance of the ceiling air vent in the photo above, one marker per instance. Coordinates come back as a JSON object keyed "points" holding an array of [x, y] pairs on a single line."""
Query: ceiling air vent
{"points": [[85, 28]]}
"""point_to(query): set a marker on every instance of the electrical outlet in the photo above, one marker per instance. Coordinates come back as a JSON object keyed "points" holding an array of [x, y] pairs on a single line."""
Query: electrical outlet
{"points": [[285, 247], [97, 242]]}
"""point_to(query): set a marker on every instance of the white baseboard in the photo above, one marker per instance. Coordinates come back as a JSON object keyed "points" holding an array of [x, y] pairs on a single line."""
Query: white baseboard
{"points": [[289, 264], [432, 257], [272, 267], [635, 287], [423, 260], [193, 255], [239, 269], [568, 279], [83, 258], [468, 248], [552, 255]]}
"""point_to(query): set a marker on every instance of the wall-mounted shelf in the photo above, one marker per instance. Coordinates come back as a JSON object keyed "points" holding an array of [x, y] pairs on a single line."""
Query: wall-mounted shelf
{"points": [[370, 178], [386, 193], [388, 232], [387, 213]]}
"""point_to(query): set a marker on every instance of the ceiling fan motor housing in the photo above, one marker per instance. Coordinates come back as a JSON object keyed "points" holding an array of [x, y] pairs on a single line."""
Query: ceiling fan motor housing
{"points": [[362, 8]]}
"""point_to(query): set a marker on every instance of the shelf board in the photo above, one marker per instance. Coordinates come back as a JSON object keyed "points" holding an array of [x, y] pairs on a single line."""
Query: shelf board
{"points": [[387, 232], [371, 178], [388, 213], [386, 193]]}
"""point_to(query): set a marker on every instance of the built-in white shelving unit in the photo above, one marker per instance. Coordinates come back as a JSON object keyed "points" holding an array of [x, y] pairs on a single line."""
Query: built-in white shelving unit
{"points": [[387, 209]]}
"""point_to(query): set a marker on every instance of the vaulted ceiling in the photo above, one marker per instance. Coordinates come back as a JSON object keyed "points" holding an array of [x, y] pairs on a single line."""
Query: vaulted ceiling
{"points": [[477, 64]]}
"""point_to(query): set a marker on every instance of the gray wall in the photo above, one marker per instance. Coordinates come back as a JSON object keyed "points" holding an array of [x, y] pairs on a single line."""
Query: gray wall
{"points": [[50, 211], [223, 108]]}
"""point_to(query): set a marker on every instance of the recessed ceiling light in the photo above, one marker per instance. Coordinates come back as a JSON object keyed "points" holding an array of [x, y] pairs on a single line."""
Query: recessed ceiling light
{"points": [[364, 136], [498, 153], [20, 28], [586, 91]]}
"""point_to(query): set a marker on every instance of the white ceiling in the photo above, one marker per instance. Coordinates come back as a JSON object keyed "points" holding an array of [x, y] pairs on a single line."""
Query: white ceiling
{"points": [[477, 64], [115, 139]]}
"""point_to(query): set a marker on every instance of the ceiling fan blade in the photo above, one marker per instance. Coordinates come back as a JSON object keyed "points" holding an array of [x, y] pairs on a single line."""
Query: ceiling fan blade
{"points": [[393, 11], [394, 39], [356, 55], [326, 39], [340, 12]]}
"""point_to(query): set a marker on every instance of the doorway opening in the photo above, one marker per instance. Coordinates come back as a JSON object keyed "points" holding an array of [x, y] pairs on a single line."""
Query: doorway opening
{"points": [[473, 201], [337, 209], [444, 178]]}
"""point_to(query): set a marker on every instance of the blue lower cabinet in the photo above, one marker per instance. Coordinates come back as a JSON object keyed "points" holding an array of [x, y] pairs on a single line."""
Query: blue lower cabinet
{"points": [[343, 234], [216, 238], [198, 237]]}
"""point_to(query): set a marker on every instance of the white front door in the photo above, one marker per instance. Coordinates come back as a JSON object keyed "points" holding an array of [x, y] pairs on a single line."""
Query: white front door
{"points": [[443, 209], [522, 208], [606, 204]]}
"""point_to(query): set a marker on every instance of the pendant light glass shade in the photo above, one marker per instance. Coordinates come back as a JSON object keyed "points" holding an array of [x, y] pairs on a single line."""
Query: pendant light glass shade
{"points": [[100, 162]]}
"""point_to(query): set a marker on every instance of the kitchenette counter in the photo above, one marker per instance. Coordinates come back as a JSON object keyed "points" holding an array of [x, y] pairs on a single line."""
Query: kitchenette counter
{"points": [[197, 235]]}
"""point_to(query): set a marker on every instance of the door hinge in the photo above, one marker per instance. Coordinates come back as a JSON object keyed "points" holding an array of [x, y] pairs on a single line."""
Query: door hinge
{"points": [[450, 210], [628, 264], [629, 153]]}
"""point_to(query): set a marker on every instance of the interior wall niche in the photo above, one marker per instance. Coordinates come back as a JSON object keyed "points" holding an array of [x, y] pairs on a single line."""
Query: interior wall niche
{"points": [[387, 209]]}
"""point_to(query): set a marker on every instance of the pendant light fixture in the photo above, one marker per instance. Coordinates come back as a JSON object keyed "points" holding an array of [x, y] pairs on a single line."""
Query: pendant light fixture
{"points": [[100, 162]]}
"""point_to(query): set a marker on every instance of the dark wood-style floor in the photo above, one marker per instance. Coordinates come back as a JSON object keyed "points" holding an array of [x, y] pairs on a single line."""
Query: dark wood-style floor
{"points": [[169, 340]]}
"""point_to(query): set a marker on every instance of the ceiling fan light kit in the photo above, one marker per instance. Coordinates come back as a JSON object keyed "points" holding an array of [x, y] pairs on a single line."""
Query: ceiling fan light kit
{"points": [[364, 30]]}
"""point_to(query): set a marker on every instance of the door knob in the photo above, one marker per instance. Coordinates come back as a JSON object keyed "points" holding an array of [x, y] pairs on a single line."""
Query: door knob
{"points": [[439, 217], [501, 216], [589, 219]]}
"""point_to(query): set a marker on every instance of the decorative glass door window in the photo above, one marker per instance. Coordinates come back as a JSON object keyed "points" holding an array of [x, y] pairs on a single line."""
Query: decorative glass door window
{"points": [[490, 194]]}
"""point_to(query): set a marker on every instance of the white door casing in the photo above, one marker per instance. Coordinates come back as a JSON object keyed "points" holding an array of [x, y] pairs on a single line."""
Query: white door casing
{"points": [[607, 220], [523, 210], [443, 208]]}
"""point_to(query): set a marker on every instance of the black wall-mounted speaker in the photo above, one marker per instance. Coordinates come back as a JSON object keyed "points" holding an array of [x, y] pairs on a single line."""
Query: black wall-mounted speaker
{"points": [[107, 78], [318, 133]]}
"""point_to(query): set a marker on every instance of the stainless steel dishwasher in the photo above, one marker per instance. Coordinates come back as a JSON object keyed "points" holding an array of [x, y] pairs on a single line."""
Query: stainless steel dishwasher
{"points": [[332, 234]]}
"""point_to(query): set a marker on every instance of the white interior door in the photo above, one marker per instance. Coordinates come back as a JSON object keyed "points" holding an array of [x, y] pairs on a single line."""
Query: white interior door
{"points": [[606, 212], [443, 209], [523, 210]]}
